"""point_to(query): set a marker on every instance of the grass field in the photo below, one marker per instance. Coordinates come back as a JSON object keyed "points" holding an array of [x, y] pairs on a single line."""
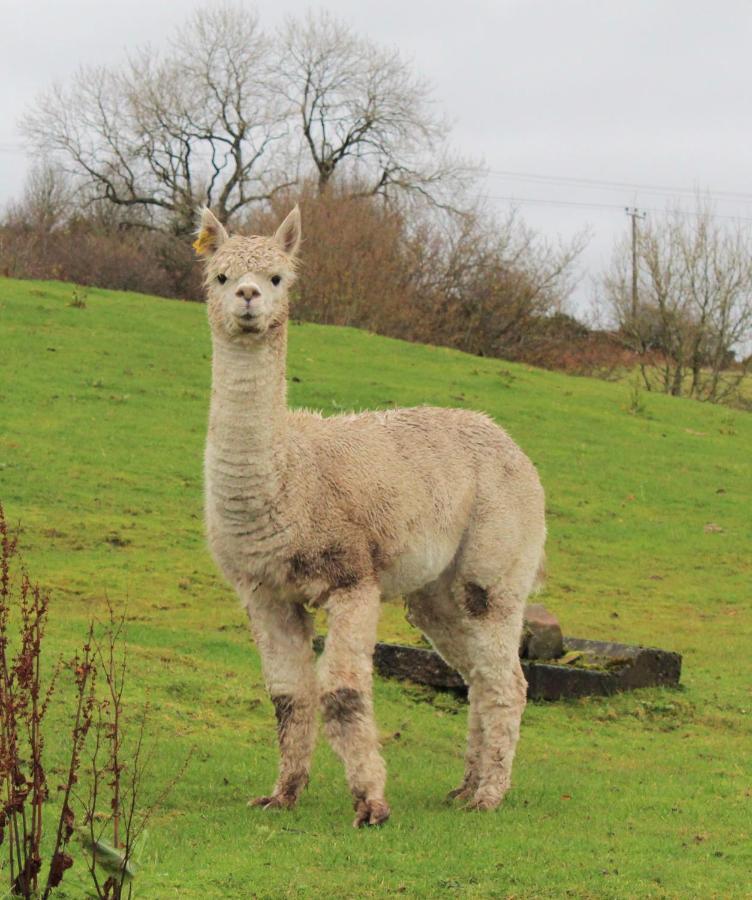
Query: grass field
{"points": [[102, 418]]}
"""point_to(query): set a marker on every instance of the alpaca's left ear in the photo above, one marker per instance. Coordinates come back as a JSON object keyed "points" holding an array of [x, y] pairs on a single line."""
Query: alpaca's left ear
{"points": [[211, 234], [288, 233]]}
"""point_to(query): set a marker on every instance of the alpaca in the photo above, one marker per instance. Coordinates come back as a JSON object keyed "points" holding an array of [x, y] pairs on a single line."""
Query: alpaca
{"points": [[438, 506]]}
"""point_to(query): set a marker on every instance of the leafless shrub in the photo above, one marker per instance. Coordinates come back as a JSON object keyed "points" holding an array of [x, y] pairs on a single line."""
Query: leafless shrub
{"points": [[354, 267], [24, 702], [87, 254], [85, 680], [483, 283], [471, 282], [114, 764], [117, 766]]}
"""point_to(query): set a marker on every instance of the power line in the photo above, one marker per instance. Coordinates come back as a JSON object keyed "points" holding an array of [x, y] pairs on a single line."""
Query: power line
{"points": [[14, 148], [8, 146], [615, 185], [553, 202], [608, 206]]}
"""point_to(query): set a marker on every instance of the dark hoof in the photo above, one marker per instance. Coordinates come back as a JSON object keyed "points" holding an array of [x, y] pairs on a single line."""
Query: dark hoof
{"points": [[276, 801], [460, 794], [370, 812]]}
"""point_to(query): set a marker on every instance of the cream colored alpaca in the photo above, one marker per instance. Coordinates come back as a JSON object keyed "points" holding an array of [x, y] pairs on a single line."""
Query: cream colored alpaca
{"points": [[436, 505]]}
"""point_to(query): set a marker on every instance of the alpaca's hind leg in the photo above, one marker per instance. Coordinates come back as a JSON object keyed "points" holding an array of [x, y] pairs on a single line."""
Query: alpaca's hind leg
{"points": [[283, 633], [471, 779], [345, 684], [477, 631], [499, 692], [434, 612]]}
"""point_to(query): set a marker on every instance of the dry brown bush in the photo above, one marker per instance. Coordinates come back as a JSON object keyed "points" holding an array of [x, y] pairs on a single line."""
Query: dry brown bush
{"points": [[468, 282], [471, 282], [353, 262], [147, 262]]}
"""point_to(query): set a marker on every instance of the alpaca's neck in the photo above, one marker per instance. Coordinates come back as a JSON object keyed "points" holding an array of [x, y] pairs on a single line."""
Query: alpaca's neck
{"points": [[246, 448]]}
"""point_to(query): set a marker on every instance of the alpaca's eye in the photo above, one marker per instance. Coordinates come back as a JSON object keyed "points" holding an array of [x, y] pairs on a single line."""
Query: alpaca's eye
{"points": [[221, 279], [275, 279]]}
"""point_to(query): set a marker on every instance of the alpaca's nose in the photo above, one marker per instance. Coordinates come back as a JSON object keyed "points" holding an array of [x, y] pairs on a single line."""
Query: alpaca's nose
{"points": [[248, 292]]}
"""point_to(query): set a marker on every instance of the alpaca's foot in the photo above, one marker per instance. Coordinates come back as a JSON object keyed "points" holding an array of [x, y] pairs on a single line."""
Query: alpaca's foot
{"points": [[459, 795], [462, 793], [482, 804], [485, 800], [370, 812], [275, 801], [285, 795], [466, 791]]}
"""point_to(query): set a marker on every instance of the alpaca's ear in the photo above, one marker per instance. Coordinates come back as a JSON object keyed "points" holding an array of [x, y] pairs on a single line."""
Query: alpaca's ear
{"points": [[288, 233], [211, 234]]}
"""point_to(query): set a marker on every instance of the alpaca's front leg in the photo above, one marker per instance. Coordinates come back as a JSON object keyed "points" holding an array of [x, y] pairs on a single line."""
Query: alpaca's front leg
{"points": [[345, 681], [283, 633]]}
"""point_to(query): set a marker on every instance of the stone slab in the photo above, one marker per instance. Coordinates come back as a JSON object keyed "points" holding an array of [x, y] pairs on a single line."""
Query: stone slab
{"points": [[621, 667], [624, 667]]}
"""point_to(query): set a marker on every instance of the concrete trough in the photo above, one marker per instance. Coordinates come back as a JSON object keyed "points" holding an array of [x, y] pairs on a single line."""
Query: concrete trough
{"points": [[587, 668]]}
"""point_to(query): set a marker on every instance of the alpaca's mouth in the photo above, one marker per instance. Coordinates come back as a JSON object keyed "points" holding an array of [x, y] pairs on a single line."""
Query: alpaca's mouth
{"points": [[248, 323]]}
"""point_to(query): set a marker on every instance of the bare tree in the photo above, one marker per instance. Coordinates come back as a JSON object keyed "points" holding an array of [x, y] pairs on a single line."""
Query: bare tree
{"points": [[227, 117], [47, 200], [694, 309], [363, 111], [164, 134]]}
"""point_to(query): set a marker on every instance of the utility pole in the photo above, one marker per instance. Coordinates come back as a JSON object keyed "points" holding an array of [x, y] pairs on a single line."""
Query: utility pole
{"points": [[634, 214]]}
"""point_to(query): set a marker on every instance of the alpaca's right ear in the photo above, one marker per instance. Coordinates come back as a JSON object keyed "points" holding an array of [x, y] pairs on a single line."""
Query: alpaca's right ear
{"points": [[211, 234]]}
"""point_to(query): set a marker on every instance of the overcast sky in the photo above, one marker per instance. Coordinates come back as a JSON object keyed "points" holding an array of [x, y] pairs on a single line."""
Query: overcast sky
{"points": [[550, 94]]}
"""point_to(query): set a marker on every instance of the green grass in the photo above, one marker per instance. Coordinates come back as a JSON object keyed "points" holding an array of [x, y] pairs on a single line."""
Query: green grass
{"points": [[102, 418]]}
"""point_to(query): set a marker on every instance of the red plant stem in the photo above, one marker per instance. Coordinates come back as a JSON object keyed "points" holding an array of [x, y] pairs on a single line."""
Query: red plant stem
{"points": [[13, 836], [115, 743], [11, 745], [37, 797], [94, 792], [79, 733], [115, 686]]}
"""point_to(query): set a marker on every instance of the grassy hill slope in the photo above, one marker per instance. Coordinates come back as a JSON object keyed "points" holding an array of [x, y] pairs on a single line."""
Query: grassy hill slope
{"points": [[102, 419]]}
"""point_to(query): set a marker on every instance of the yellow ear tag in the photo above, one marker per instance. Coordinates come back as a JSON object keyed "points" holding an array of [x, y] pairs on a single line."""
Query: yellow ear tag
{"points": [[203, 242]]}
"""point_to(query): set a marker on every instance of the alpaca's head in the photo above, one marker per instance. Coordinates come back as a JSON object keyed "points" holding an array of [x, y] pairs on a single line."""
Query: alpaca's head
{"points": [[247, 278]]}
